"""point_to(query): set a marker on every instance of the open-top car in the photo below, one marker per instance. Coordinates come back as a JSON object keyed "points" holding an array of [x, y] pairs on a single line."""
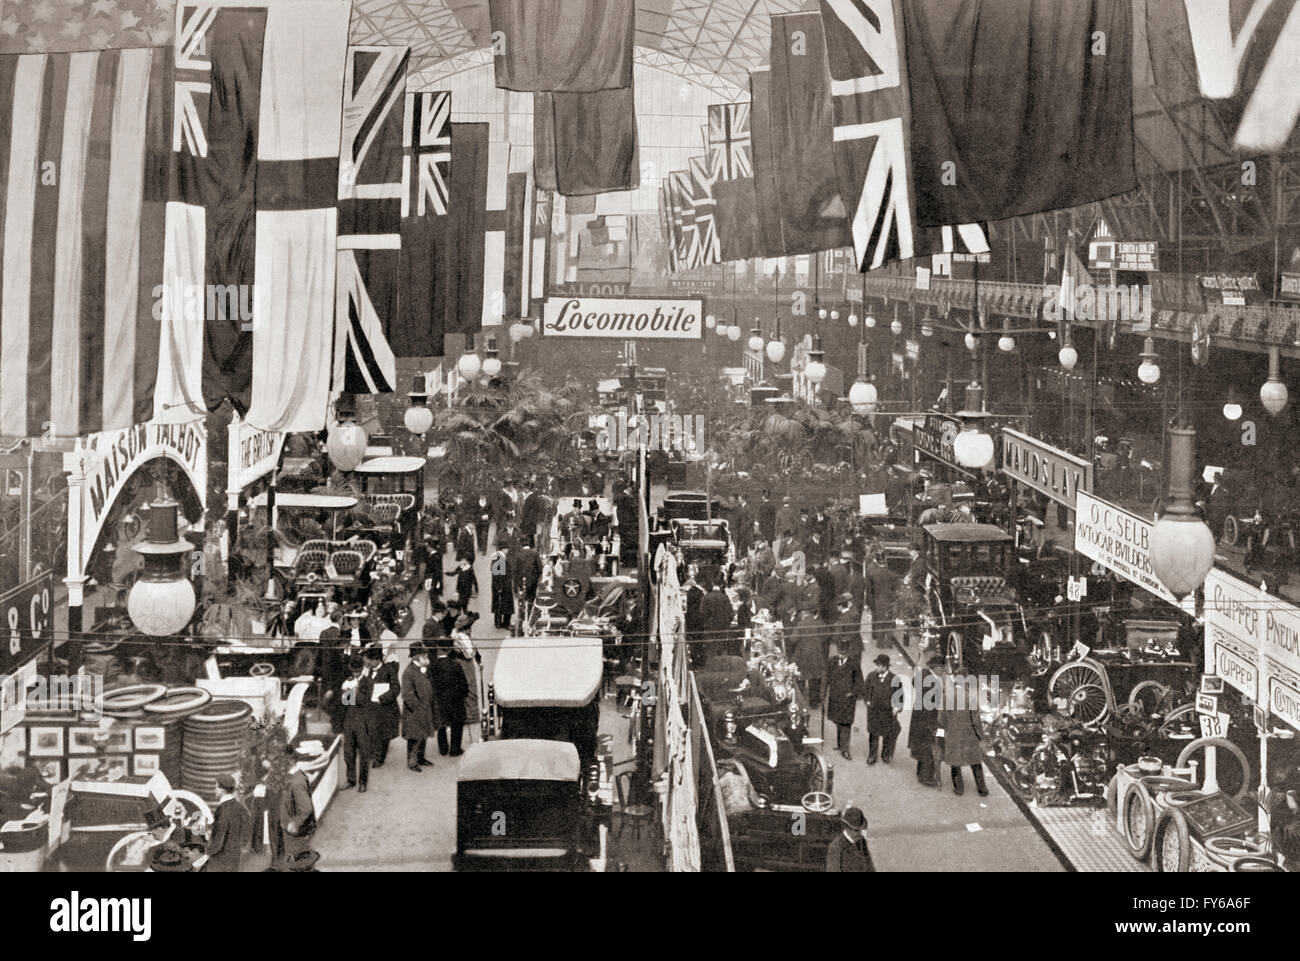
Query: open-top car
{"points": [[765, 736], [977, 613]]}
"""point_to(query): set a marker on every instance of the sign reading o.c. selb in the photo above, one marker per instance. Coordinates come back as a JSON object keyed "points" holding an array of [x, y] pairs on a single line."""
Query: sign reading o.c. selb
{"points": [[624, 318]]}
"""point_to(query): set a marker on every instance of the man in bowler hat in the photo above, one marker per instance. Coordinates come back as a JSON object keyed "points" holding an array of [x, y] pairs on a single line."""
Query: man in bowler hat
{"points": [[357, 724], [848, 850]]}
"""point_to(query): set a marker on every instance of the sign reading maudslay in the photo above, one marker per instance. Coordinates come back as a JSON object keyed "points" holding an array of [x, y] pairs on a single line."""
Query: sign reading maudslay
{"points": [[624, 318]]}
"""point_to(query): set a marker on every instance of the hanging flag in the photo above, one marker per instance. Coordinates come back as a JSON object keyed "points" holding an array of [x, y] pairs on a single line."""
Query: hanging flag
{"points": [[494, 237], [688, 252], [592, 138], [465, 227], [273, 75], [1013, 110], [1073, 275], [1252, 71], [516, 221], [730, 143], [543, 211], [813, 213], [569, 45], [371, 198], [83, 175], [769, 240], [419, 325], [699, 208]]}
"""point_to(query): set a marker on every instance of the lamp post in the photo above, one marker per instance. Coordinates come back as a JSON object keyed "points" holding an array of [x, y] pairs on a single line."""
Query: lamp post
{"points": [[1182, 546], [1273, 395], [162, 600], [347, 439], [418, 417], [776, 346]]}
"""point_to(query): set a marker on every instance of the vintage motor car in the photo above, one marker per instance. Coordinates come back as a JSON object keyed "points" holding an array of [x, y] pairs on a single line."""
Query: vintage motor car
{"points": [[766, 737], [980, 622], [521, 806]]}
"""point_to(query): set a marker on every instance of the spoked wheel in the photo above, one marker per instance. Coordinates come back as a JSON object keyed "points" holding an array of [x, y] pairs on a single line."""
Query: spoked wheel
{"points": [[952, 649], [1177, 721], [1231, 531], [1083, 688], [1147, 696], [816, 776]]}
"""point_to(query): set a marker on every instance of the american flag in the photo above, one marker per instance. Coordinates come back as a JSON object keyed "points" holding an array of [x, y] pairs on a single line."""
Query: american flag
{"points": [[730, 143]]}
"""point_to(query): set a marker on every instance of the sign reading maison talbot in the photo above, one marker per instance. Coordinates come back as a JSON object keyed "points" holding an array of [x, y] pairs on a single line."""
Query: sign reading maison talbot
{"points": [[624, 319], [1047, 470]]}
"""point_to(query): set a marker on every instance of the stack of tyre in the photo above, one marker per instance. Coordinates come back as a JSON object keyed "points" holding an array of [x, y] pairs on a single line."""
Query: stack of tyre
{"points": [[212, 746]]}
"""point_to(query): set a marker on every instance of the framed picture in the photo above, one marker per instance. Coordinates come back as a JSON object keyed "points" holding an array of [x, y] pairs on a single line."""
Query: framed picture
{"points": [[119, 740], [81, 740], [146, 765], [117, 767], [1211, 684], [79, 766], [1261, 719], [51, 771], [150, 738], [45, 742]]}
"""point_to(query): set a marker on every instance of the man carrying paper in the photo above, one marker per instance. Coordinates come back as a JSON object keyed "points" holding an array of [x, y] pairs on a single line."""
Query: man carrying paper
{"points": [[386, 717]]}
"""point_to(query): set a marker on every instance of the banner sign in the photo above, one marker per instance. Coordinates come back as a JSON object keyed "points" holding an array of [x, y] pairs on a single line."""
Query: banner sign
{"points": [[624, 318], [935, 436], [1118, 541], [256, 454], [703, 286], [1290, 288], [603, 288], [1124, 255], [28, 612], [1235, 289], [1176, 292], [1260, 630], [1045, 469], [112, 458]]}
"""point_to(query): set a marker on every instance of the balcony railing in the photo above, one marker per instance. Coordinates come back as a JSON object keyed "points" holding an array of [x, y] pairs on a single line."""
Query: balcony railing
{"points": [[1256, 327]]}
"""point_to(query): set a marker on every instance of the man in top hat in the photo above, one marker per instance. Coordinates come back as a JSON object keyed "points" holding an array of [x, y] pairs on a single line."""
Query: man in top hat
{"points": [[385, 685], [357, 724], [417, 707], [848, 850], [231, 831], [884, 697], [765, 514], [787, 518], [466, 583]]}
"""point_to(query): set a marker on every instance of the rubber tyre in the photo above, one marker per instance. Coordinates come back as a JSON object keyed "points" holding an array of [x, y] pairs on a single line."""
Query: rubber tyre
{"points": [[1137, 804], [1112, 795], [1258, 865], [133, 696], [1171, 819], [1231, 748], [179, 700]]}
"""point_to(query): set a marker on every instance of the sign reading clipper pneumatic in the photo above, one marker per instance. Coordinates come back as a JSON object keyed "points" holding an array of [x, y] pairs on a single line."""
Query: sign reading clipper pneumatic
{"points": [[624, 318]]}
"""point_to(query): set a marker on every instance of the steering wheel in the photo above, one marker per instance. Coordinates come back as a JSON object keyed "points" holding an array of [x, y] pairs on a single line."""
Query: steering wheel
{"points": [[262, 669], [816, 802]]}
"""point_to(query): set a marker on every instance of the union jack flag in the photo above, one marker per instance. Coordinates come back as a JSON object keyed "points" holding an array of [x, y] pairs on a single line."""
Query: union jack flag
{"points": [[730, 142], [427, 133]]}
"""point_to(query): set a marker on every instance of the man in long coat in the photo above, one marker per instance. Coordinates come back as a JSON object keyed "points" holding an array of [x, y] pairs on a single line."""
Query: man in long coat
{"points": [[924, 723], [450, 688], [844, 686], [417, 707], [848, 850], [959, 719], [884, 697], [386, 714]]}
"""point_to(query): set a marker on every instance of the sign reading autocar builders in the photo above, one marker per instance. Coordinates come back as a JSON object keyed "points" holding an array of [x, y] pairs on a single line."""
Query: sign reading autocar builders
{"points": [[624, 318]]}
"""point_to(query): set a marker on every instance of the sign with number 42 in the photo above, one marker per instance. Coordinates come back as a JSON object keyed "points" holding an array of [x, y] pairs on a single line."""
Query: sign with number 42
{"points": [[1077, 589]]}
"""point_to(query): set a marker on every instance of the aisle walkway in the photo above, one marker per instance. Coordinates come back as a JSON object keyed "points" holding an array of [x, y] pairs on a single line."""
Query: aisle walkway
{"points": [[915, 828]]}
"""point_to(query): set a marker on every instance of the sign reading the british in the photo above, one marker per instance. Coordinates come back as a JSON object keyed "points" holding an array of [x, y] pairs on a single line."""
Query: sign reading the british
{"points": [[1047, 470], [624, 319]]}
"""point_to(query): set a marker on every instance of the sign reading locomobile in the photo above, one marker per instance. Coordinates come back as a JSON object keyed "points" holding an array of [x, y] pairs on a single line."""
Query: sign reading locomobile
{"points": [[624, 318]]}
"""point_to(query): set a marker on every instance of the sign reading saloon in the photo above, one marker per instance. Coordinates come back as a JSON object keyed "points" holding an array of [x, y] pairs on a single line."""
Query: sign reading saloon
{"points": [[1117, 540], [624, 319], [1047, 470]]}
